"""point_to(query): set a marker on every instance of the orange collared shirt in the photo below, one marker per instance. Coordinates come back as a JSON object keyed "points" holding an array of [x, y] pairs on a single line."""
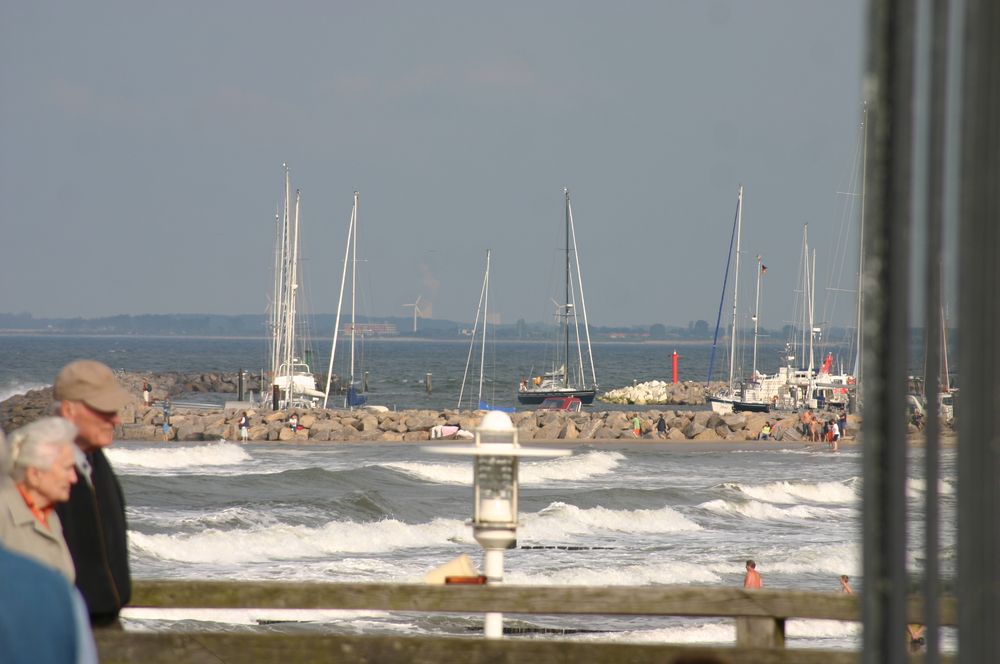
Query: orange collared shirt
{"points": [[41, 514]]}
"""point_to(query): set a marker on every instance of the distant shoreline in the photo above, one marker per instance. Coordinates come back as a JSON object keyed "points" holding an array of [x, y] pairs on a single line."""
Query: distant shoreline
{"points": [[388, 339]]}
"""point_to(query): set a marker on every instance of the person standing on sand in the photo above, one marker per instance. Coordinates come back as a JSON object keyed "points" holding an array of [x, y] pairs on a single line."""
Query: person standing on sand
{"points": [[845, 586], [661, 427], [636, 426], [88, 395], [752, 578]]}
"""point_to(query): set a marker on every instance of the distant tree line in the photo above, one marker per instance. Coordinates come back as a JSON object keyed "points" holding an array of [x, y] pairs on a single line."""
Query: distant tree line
{"points": [[257, 325]]}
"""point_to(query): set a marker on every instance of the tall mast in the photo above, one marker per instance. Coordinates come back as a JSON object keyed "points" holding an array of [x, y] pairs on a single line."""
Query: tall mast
{"points": [[566, 308], [861, 251], [736, 288], [486, 315], [340, 300], [805, 326], [293, 285], [756, 319], [354, 279], [475, 332], [583, 304]]}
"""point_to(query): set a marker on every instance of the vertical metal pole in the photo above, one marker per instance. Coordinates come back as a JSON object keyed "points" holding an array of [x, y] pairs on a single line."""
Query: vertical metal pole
{"points": [[933, 188], [493, 566], [888, 86], [979, 327]]}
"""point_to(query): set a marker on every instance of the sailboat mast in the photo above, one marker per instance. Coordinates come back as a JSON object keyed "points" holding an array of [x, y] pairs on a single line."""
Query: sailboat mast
{"points": [[583, 304], [756, 318], [340, 302], [486, 310], [475, 333], [945, 385], [812, 311], [566, 301], [354, 280], [861, 252], [736, 288], [276, 301], [293, 285], [804, 322]]}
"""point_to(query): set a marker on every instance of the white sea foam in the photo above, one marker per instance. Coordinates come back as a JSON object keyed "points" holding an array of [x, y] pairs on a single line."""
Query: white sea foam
{"points": [[13, 388], [287, 542], [573, 468], [175, 460], [823, 629], [795, 492], [826, 558], [714, 633], [133, 615], [559, 520], [611, 574], [452, 472], [755, 509]]}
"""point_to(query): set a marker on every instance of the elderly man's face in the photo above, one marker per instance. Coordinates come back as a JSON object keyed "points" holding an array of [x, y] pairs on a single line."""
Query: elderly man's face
{"points": [[96, 427]]}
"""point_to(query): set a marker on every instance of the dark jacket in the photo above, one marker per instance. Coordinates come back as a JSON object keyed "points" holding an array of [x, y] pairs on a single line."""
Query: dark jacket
{"points": [[94, 526]]}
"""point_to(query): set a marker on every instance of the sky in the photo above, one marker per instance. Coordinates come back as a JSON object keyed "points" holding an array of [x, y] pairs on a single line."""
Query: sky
{"points": [[142, 149]]}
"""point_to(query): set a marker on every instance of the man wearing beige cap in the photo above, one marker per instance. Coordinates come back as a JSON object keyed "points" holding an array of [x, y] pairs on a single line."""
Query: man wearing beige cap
{"points": [[88, 395]]}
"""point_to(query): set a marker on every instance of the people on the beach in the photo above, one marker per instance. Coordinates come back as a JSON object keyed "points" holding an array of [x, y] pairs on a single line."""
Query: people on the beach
{"points": [[661, 427], [42, 467], [636, 426], [165, 431], [244, 427], [842, 423], [845, 584], [765, 432], [88, 395], [752, 578], [146, 389], [810, 427], [293, 421], [834, 435]]}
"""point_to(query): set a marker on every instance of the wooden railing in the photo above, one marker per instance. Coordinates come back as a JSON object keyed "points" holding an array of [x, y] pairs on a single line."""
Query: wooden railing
{"points": [[760, 623]]}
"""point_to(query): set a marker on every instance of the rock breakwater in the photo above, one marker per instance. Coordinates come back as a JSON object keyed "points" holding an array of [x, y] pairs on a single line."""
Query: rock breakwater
{"points": [[145, 423]]}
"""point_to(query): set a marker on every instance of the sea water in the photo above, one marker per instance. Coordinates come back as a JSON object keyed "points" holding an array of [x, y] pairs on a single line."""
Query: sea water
{"points": [[611, 513], [396, 370]]}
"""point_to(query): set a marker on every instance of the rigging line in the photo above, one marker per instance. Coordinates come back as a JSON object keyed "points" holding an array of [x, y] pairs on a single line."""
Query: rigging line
{"points": [[722, 299]]}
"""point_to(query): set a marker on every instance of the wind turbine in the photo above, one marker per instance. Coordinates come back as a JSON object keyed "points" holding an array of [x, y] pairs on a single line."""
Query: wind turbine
{"points": [[416, 311]]}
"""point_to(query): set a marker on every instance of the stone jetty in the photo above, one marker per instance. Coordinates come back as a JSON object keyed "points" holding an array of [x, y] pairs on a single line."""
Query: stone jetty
{"points": [[687, 393], [145, 423]]}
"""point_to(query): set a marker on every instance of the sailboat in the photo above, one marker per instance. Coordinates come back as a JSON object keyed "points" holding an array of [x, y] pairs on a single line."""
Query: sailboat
{"points": [[352, 397], [734, 397], [292, 382], [479, 332], [567, 376]]}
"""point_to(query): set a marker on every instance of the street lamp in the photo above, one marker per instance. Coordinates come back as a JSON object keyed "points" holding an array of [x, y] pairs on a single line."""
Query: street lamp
{"points": [[494, 486]]}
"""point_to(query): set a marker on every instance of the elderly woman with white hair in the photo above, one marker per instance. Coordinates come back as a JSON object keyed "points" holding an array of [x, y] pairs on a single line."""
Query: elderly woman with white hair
{"points": [[41, 464]]}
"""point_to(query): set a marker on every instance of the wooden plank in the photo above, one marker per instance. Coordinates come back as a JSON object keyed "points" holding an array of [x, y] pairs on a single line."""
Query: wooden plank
{"points": [[610, 600], [760, 632], [223, 648]]}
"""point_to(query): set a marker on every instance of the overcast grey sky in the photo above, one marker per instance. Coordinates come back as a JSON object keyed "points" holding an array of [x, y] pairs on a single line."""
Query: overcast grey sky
{"points": [[141, 150]]}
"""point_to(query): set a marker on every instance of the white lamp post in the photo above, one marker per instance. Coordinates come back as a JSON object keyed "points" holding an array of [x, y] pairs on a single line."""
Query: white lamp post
{"points": [[494, 516]]}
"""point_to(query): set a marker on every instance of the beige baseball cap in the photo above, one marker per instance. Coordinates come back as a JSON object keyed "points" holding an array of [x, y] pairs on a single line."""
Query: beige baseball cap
{"points": [[93, 383]]}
